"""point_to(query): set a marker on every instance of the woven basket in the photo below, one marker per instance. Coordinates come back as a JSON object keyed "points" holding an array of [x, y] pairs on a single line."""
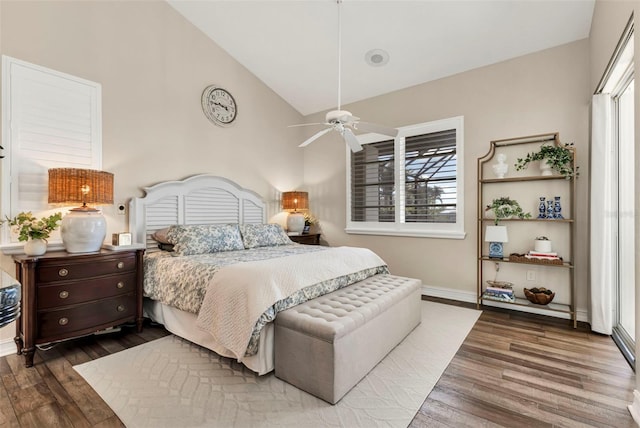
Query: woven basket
{"points": [[539, 298], [522, 259]]}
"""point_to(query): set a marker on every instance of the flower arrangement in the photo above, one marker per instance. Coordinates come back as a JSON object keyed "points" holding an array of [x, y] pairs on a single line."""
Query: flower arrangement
{"points": [[506, 207], [30, 227], [559, 158]]}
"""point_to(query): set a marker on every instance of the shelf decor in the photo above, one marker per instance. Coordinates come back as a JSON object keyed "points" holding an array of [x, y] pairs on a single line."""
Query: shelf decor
{"points": [[542, 244], [504, 208], [496, 236], [539, 296], [554, 156], [501, 167], [557, 208], [557, 269]]}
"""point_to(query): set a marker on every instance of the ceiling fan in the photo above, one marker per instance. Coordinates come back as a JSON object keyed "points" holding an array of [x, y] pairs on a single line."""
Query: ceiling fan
{"points": [[343, 121]]}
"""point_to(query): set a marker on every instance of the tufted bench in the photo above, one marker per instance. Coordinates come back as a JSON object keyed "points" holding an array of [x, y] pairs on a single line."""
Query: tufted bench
{"points": [[327, 345]]}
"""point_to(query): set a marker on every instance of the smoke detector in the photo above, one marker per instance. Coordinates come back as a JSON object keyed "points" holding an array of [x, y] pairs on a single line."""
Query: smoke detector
{"points": [[376, 57]]}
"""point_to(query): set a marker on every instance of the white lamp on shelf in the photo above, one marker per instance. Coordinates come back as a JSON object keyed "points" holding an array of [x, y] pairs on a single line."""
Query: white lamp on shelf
{"points": [[83, 229], [295, 201], [496, 236]]}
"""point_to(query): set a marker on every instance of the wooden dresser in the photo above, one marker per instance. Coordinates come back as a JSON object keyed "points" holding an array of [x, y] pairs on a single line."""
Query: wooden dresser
{"points": [[69, 295]]}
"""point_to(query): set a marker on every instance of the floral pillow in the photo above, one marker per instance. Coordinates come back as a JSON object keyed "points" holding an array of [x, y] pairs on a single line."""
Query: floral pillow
{"points": [[263, 235], [202, 239]]}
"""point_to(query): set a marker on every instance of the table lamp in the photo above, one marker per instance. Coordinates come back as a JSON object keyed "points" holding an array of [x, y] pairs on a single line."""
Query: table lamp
{"points": [[295, 201], [496, 236], [84, 228]]}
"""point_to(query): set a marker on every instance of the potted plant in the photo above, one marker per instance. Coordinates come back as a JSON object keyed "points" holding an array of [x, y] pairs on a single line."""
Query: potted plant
{"points": [[34, 231], [557, 157], [506, 207]]}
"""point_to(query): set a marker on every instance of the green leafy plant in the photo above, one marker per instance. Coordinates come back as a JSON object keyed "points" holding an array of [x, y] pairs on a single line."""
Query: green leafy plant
{"points": [[29, 227], [506, 207], [559, 158]]}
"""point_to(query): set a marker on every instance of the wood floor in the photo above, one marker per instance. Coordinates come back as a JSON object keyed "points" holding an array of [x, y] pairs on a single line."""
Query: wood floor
{"points": [[513, 370]]}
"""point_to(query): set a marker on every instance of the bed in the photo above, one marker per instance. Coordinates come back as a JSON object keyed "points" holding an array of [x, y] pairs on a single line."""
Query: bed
{"points": [[226, 273]]}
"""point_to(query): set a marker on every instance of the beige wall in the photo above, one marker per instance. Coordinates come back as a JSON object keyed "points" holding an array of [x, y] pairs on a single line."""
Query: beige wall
{"points": [[153, 66], [538, 93]]}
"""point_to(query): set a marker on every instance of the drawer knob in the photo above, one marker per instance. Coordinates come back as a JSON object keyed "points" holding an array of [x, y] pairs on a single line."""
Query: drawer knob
{"points": [[63, 321], [63, 272], [120, 265], [120, 308], [120, 284], [64, 294]]}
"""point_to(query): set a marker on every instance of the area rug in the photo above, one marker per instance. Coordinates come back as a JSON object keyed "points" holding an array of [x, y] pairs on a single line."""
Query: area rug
{"points": [[170, 382]]}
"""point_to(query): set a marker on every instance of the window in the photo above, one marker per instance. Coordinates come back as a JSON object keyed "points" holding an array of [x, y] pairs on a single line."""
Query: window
{"points": [[49, 120], [410, 185]]}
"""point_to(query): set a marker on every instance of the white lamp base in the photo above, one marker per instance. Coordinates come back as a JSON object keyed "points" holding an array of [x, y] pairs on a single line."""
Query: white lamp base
{"points": [[83, 230], [295, 222]]}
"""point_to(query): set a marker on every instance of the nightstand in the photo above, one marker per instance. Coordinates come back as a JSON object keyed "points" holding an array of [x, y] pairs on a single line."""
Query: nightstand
{"points": [[70, 295], [306, 238]]}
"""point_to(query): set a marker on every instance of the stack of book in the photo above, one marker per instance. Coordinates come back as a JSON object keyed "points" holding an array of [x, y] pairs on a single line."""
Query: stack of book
{"points": [[501, 294], [537, 255]]}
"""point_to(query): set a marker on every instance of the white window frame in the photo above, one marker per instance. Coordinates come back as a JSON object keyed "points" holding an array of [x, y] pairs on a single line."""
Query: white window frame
{"points": [[399, 227], [89, 102]]}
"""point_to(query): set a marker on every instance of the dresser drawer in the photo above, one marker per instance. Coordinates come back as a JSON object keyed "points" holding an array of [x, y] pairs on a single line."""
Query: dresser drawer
{"points": [[68, 270], [84, 318], [72, 292]]}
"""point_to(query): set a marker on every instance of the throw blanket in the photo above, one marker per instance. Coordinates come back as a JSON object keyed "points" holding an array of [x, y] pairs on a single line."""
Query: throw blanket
{"points": [[239, 294]]}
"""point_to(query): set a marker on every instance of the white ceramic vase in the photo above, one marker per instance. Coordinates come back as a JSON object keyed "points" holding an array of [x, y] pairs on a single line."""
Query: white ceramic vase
{"points": [[35, 247], [545, 168], [542, 246]]}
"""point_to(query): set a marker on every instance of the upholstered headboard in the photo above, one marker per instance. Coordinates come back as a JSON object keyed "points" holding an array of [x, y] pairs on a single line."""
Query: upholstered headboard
{"points": [[200, 199]]}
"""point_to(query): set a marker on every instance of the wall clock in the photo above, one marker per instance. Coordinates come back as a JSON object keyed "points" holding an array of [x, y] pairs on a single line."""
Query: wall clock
{"points": [[219, 105]]}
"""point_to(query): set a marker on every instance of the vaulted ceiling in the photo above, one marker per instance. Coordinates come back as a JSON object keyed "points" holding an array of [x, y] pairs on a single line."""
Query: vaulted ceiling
{"points": [[292, 46]]}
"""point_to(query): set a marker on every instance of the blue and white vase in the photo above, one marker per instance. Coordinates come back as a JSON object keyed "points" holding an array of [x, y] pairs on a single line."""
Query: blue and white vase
{"points": [[542, 208], [557, 208], [549, 209]]}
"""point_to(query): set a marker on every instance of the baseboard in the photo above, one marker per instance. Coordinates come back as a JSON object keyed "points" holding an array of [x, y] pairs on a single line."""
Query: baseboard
{"points": [[470, 297], [448, 293], [634, 408], [7, 347]]}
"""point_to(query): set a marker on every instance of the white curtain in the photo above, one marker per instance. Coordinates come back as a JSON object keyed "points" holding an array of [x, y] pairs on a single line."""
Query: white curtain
{"points": [[602, 215]]}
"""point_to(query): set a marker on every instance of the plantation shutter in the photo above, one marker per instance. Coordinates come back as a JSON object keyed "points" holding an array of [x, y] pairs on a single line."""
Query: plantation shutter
{"points": [[372, 183], [53, 122]]}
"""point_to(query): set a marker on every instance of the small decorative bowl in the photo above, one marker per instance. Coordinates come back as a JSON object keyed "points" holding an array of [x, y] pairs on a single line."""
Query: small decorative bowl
{"points": [[501, 284], [539, 295]]}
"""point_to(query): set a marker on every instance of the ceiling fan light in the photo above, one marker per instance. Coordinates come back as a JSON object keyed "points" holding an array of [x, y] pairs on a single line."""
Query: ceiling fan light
{"points": [[376, 57]]}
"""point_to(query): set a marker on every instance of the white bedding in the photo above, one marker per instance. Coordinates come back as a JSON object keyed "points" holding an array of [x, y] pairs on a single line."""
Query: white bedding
{"points": [[240, 293], [183, 324]]}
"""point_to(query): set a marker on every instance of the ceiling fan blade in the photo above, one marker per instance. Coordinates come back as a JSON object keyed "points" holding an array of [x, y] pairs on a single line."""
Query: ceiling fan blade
{"points": [[378, 129], [306, 124], [351, 140], [315, 137]]}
